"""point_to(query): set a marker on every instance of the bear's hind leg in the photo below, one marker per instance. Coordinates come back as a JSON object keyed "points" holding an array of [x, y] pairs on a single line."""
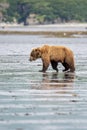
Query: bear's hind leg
{"points": [[72, 69], [66, 66], [54, 65]]}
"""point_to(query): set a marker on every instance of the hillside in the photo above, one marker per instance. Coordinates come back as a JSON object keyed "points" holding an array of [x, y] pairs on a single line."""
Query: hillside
{"points": [[43, 11]]}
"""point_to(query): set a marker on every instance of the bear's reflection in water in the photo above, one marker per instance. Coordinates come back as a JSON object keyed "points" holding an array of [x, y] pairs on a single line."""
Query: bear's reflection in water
{"points": [[56, 81]]}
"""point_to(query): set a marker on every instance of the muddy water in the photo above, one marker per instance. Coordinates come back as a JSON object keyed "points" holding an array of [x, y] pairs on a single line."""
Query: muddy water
{"points": [[31, 100]]}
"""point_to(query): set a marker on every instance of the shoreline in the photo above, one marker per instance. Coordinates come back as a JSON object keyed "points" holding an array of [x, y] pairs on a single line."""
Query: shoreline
{"points": [[47, 25], [51, 30]]}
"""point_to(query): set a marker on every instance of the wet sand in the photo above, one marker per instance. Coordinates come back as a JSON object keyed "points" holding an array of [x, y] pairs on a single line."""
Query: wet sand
{"points": [[48, 34]]}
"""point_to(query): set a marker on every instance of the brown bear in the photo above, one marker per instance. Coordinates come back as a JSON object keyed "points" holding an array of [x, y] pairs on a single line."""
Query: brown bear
{"points": [[53, 55]]}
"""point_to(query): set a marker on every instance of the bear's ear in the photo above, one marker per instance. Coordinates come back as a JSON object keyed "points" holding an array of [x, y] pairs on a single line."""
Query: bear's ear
{"points": [[37, 49]]}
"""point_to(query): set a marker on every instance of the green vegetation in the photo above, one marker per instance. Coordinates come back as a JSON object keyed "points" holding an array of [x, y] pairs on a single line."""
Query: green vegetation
{"points": [[49, 11]]}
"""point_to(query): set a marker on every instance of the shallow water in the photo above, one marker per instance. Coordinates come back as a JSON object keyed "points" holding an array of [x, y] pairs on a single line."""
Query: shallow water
{"points": [[31, 100], [55, 27]]}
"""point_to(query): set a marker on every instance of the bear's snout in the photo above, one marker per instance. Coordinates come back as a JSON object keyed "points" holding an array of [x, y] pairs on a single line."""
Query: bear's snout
{"points": [[32, 58]]}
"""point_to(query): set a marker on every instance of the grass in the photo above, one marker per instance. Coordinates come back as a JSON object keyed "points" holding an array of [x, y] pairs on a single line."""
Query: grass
{"points": [[47, 33]]}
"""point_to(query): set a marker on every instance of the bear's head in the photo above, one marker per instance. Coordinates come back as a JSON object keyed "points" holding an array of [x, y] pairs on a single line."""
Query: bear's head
{"points": [[35, 54]]}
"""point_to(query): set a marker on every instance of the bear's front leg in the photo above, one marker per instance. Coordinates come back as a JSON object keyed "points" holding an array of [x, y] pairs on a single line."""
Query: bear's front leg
{"points": [[46, 63]]}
